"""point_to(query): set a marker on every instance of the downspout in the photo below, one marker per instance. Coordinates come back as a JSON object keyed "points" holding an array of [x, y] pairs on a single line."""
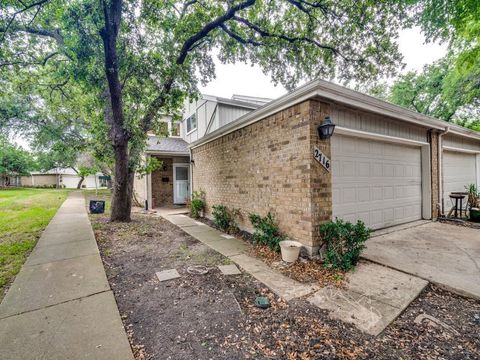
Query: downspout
{"points": [[441, 202]]}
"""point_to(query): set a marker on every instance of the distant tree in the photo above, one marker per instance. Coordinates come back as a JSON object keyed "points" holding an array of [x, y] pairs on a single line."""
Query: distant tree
{"points": [[14, 160], [450, 88]]}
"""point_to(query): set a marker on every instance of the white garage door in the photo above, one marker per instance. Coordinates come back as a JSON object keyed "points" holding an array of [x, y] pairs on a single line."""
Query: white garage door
{"points": [[377, 182], [459, 169]]}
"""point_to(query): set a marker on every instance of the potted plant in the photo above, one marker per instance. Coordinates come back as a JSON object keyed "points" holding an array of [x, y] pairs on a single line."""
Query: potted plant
{"points": [[473, 196]]}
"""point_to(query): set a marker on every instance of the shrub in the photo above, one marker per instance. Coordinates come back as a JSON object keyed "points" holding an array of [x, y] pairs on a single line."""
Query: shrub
{"points": [[344, 243], [197, 203], [266, 231], [224, 218]]}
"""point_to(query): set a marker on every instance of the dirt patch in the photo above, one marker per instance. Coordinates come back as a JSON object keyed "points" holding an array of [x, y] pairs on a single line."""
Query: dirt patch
{"points": [[460, 222], [213, 316]]}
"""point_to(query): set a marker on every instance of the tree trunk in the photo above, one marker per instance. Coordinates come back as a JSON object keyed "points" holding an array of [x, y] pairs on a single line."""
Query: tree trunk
{"points": [[79, 185], [123, 185], [122, 189]]}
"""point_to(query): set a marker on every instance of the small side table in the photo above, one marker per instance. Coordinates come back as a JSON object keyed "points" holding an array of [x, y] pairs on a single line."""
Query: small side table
{"points": [[458, 197]]}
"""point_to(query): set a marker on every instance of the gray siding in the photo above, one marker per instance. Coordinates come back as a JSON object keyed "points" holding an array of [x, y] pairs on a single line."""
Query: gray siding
{"points": [[210, 116], [378, 124], [461, 142], [227, 113]]}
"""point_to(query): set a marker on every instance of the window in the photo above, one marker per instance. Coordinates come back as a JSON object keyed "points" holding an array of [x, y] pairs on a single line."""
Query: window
{"points": [[191, 123], [175, 128]]}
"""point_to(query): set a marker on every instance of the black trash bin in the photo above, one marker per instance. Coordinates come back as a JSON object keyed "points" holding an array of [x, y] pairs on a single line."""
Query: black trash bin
{"points": [[97, 206]]}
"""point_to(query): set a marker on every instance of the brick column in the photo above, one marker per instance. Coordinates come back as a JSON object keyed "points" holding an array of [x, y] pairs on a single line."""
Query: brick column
{"points": [[320, 178]]}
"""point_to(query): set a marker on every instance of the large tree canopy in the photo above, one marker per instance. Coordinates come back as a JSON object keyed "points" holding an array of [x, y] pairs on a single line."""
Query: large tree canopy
{"points": [[450, 88], [438, 92], [141, 58], [14, 160]]}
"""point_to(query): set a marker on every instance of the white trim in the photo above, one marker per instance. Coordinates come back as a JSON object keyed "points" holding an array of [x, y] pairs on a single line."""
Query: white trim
{"points": [[462, 150], [175, 165], [169, 154], [191, 131], [149, 189], [380, 137], [477, 158], [426, 182]]}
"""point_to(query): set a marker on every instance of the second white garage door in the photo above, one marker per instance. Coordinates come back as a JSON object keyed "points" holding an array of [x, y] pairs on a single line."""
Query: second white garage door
{"points": [[459, 170], [377, 182]]}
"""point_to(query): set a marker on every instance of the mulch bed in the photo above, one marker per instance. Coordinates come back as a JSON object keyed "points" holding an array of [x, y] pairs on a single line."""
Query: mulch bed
{"points": [[305, 270], [213, 316]]}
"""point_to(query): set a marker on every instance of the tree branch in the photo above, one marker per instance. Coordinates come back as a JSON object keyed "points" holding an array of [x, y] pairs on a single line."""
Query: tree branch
{"points": [[214, 24], [238, 38], [289, 39]]}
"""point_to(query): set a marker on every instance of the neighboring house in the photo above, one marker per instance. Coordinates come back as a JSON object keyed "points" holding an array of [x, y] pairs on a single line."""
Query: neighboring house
{"points": [[170, 185], [10, 180], [62, 178], [387, 165]]}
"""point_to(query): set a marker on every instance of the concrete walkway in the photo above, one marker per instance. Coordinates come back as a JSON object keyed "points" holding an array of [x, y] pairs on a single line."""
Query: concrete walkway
{"points": [[234, 249], [373, 297], [60, 305]]}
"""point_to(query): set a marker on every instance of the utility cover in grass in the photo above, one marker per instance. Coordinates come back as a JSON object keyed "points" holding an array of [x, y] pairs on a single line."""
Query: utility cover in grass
{"points": [[229, 269], [167, 275]]}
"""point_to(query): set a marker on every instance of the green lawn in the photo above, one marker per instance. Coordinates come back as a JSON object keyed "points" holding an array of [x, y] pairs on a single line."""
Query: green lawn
{"points": [[24, 213]]}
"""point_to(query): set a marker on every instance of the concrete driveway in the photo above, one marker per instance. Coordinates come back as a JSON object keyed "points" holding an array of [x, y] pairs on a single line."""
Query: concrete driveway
{"points": [[447, 255]]}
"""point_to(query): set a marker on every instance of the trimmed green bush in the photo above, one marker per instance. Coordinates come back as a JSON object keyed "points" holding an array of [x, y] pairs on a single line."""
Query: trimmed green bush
{"points": [[224, 218], [266, 231], [197, 203], [344, 243]]}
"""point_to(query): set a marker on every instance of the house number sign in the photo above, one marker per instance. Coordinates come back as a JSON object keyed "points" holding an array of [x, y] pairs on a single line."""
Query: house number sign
{"points": [[321, 158]]}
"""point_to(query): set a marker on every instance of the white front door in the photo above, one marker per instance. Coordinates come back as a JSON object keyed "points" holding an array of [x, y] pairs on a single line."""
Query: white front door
{"points": [[180, 183], [377, 182]]}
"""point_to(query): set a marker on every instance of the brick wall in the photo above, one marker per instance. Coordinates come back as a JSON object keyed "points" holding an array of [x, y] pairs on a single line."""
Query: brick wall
{"points": [[162, 192], [269, 166]]}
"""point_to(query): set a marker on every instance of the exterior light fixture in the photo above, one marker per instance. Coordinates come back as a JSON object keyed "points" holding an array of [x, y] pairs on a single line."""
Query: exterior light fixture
{"points": [[325, 130]]}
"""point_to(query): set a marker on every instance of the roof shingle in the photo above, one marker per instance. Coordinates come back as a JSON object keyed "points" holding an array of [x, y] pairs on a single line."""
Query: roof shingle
{"points": [[167, 145]]}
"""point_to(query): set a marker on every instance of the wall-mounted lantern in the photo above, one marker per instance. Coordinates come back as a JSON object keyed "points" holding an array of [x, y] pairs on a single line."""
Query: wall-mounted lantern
{"points": [[326, 129]]}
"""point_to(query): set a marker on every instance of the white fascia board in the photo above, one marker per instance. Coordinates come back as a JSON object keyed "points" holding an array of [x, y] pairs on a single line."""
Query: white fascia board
{"points": [[160, 153], [461, 150], [461, 131], [379, 137]]}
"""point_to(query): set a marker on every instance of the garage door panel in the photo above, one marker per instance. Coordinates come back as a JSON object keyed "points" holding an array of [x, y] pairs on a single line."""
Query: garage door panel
{"points": [[381, 184], [459, 169]]}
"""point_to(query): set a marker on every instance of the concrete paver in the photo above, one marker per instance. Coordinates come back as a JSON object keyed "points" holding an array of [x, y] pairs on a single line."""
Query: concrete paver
{"points": [[63, 251], [52, 283], [167, 275], [374, 296], [445, 254], [229, 269], [65, 331], [60, 305]]}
